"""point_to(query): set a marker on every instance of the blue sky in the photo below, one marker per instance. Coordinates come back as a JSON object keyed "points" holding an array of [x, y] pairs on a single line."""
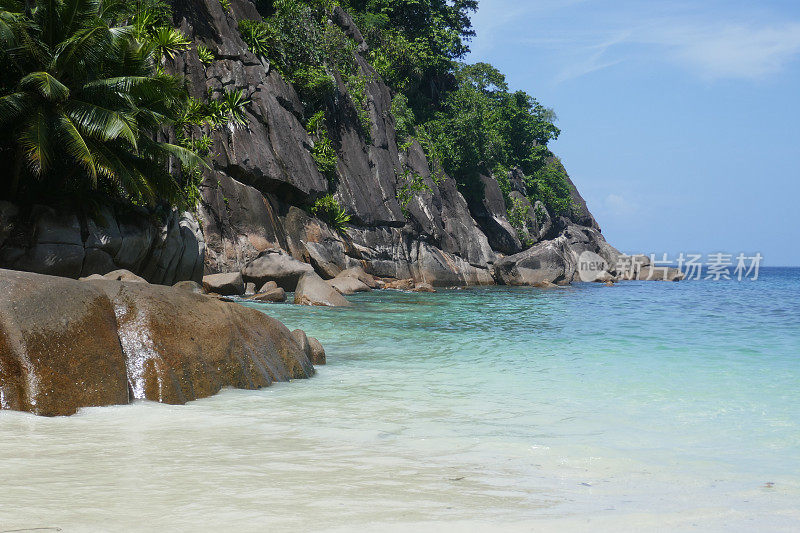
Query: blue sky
{"points": [[680, 120]]}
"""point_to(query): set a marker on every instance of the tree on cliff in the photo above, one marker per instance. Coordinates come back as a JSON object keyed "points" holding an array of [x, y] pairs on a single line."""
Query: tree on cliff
{"points": [[82, 97]]}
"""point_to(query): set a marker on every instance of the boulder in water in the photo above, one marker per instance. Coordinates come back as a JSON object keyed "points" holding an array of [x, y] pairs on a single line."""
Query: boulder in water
{"points": [[227, 284], [424, 287], [348, 285], [66, 344], [270, 295], [278, 266], [313, 290], [317, 352]]}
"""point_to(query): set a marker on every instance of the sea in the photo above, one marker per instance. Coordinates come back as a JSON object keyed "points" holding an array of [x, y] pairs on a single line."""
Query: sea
{"points": [[646, 406]]}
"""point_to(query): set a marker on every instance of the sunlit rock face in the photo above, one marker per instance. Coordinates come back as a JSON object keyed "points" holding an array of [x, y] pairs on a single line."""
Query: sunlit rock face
{"points": [[67, 344]]}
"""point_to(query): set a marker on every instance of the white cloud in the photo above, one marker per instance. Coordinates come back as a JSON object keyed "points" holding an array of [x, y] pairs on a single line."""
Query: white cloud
{"points": [[713, 41], [616, 204], [733, 50]]}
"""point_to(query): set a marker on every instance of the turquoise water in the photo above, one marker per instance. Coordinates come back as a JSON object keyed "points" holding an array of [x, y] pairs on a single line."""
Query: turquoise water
{"points": [[643, 406]]}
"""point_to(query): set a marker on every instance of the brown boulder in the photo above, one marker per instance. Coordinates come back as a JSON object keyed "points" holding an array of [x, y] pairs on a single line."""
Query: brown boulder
{"points": [[191, 286], [268, 286], [228, 284], [317, 352], [348, 285], [360, 275], [59, 348], [400, 285], [66, 344], [270, 295], [278, 266], [424, 287], [124, 275], [313, 290]]}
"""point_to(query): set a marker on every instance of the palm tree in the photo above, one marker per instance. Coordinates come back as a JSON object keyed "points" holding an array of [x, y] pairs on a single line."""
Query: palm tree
{"points": [[82, 99]]}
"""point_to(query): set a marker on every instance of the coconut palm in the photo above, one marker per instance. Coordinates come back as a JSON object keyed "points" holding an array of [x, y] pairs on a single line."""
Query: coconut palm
{"points": [[82, 99]]}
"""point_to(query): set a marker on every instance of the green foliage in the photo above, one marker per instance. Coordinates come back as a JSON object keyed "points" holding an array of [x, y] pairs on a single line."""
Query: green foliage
{"points": [[226, 5], [518, 214], [202, 145], [82, 98], [325, 156], [411, 184], [233, 104], [550, 186], [404, 118], [316, 124], [357, 89], [323, 151], [314, 85], [169, 41], [290, 36], [256, 35], [205, 55], [414, 43], [328, 209]]}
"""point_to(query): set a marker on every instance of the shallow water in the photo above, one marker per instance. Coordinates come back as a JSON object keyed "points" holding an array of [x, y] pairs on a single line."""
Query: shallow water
{"points": [[646, 406]]}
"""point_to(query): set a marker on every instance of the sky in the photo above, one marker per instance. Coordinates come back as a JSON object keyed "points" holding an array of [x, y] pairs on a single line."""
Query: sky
{"points": [[680, 120]]}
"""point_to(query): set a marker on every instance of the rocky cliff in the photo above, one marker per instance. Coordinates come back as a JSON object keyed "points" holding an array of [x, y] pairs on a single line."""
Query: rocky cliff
{"points": [[263, 179]]}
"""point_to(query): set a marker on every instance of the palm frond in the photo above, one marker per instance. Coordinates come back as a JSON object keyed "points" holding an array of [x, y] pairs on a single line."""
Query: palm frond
{"points": [[74, 146], [101, 123], [45, 85], [14, 107], [35, 142]]}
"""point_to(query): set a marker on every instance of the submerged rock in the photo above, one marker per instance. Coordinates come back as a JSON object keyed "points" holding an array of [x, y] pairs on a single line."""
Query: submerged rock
{"points": [[423, 287], [313, 290], [400, 285], [66, 344]]}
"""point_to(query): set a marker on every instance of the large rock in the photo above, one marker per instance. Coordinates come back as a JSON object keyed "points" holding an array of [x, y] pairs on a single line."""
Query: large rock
{"points": [[546, 262], [358, 273], [318, 356], [59, 348], [226, 284], [278, 266], [66, 344], [269, 294], [349, 285], [313, 290]]}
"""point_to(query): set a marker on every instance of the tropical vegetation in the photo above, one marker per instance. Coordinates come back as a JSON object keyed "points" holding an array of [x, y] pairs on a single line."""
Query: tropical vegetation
{"points": [[86, 105], [84, 100]]}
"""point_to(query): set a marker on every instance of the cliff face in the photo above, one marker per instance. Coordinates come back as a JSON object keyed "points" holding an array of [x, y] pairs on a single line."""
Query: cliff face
{"points": [[262, 180], [263, 176]]}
